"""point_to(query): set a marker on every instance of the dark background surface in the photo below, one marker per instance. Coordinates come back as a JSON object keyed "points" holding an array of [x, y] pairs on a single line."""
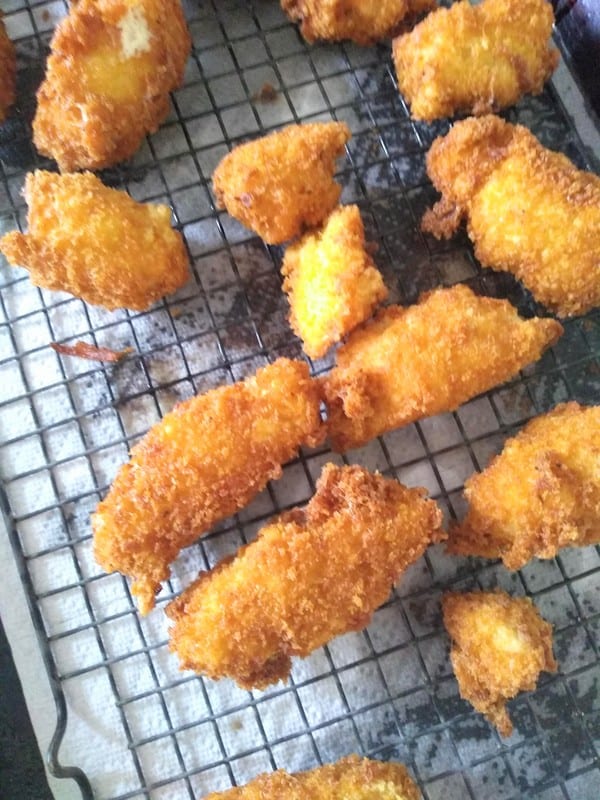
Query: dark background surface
{"points": [[578, 29]]}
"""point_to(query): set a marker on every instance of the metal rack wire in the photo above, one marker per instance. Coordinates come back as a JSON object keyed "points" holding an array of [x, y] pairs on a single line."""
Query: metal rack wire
{"points": [[67, 424]]}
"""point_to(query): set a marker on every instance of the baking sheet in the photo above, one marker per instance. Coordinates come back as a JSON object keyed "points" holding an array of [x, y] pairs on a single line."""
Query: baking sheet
{"points": [[135, 725]]}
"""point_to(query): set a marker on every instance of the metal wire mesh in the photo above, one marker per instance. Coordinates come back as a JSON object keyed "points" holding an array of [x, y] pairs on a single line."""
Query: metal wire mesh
{"points": [[67, 425]]}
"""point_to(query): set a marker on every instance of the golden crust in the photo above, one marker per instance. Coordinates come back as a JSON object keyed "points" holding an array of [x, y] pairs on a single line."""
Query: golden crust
{"points": [[410, 363], [331, 281], [8, 71], [500, 644], [475, 59], [363, 22], [351, 778], [312, 574], [111, 68], [97, 243], [282, 183], [529, 210], [202, 462], [540, 494]]}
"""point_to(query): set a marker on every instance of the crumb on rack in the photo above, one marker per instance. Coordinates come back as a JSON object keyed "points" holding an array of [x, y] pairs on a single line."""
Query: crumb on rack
{"points": [[90, 351], [266, 94]]}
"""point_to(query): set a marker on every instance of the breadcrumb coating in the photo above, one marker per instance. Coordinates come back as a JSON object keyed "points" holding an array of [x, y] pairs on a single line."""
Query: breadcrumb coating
{"points": [[281, 184], [351, 778], [410, 363], [362, 21], [8, 71], [97, 243], [202, 462], [500, 644], [475, 59], [540, 494], [111, 68], [529, 210], [312, 574], [331, 281]]}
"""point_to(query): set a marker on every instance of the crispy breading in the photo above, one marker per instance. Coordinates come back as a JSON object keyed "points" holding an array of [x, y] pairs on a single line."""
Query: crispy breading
{"points": [[409, 363], [97, 243], [540, 494], [475, 59], [500, 644], [111, 68], [351, 778], [312, 574], [8, 71], [363, 22], [282, 183], [331, 281], [529, 210], [204, 461]]}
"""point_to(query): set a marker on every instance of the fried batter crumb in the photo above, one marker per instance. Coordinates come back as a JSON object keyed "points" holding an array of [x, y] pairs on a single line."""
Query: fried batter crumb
{"points": [[351, 778], [331, 281], [500, 644], [90, 352], [312, 574], [475, 59], [540, 494], [529, 210], [282, 183], [410, 363], [205, 460], [8, 71], [266, 94], [97, 243]]}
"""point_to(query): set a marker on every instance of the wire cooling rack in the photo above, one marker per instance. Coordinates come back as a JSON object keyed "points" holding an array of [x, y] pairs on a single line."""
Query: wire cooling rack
{"points": [[129, 724]]}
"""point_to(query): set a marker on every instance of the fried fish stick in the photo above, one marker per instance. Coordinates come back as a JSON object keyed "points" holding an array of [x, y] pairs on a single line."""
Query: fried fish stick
{"points": [[312, 574], [282, 183], [351, 778], [8, 71], [410, 363], [540, 494], [475, 59], [111, 68], [362, 22], [202, 462], [331, 281], [97, 243], [528, 210], [500, 644]]}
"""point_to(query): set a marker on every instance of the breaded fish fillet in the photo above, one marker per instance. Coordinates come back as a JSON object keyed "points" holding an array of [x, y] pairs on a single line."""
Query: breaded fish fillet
{"points": [[97, 243], [111, 68], [415, 362], [475, 59], [8, 71], [312, 574], [540, 494], [202, 462], [331, 281], [500, 644], [364, 22], [528, 210], [282, 183], [351, 778]]}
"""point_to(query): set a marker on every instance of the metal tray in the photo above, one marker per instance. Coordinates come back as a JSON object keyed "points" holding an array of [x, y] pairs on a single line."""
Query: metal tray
{"points": [[129, 724]]}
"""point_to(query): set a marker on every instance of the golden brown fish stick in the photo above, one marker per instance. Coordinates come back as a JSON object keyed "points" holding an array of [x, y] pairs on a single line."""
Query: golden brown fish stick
{"points": [[529, 210], [202, 462], [475, 59], [312, 574], [410, 363], [351, 778], [362, 21], [8, 71], [111, 68], [540, 494], [500, 644], [282, 183], [331, 281], [97, 243]]}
